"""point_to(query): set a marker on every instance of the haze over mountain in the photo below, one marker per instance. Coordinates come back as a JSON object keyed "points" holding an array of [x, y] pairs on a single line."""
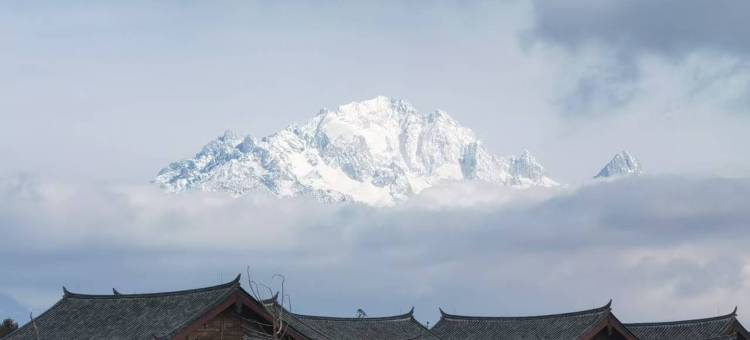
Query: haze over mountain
{"points": [[622, 164], [379, 151]]}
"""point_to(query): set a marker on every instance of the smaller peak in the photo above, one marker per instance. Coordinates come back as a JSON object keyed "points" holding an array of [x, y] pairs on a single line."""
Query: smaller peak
{"points": [[622, 164], [441, 115], [526, 158], [292, 128], [229, 135], [624, 154], [248, 144]]}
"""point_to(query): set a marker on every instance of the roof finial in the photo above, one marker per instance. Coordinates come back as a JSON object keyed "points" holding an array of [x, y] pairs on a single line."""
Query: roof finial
{"points": [[236, 280], [609, 304], [66, 293], [272, 300], [442, 312], [115, 292], [734, 312], [411, 311]]}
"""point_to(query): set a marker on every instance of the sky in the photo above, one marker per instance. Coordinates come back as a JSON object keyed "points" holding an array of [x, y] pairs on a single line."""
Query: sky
{"points": [[96, 98], [126, 88]]}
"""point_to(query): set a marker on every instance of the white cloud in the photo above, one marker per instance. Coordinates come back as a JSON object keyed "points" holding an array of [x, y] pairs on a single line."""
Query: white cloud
{"points": [[676, 241]]}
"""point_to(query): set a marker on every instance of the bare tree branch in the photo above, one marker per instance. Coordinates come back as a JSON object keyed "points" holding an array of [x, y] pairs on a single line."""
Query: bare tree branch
{"points": [[34, 326], [279, 326]]}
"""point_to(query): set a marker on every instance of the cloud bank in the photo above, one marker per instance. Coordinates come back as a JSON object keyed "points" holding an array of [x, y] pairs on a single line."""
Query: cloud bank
{"points": [[698, 50], [673, 28], [662, 247]]}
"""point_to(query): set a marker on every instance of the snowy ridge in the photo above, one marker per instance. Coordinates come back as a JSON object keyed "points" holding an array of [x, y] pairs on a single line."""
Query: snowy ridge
{"points": [[379, 151], [622, 164]]}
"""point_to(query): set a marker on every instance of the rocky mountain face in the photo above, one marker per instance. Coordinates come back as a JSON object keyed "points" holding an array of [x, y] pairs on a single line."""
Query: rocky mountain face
{"points": [[379, 151], [622, 164]]}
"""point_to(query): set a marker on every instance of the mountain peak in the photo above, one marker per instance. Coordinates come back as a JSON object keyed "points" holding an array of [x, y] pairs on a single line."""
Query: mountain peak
{"points": [[378, 151], [528, 171], [378, 104], [622, 164]]}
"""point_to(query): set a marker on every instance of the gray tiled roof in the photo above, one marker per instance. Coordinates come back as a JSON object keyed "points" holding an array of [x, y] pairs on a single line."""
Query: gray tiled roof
{"points": [[554, 326], [398, 327], [698, 329], [124, 316]]}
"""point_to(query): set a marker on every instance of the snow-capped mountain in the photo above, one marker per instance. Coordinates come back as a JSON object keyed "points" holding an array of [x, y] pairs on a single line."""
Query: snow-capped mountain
{"points": [[379, 151], [623, 164]]}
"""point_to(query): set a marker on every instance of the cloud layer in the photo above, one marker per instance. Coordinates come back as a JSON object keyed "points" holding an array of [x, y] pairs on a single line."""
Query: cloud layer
{"points": [[673, 28], [662, 247], [703, 46]]}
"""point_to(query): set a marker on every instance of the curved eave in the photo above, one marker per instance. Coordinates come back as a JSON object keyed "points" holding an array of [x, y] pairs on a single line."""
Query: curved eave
{"points": [[117, 295], [274, 300], [406, 316], [728, 317], [598, 310]]}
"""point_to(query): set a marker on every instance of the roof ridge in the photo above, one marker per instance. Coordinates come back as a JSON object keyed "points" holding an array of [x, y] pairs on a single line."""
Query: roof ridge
{"points": [[407, 315], [731, 315], [230, 284], [234, 284], [605, 308]]}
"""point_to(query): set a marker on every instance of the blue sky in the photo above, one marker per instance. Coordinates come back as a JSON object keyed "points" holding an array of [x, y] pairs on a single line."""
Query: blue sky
{"points": [[96, 98]]}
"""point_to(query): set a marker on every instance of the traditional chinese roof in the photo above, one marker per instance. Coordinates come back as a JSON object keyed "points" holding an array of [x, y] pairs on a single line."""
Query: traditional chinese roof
{"points": [[126, 316], [719, 327], [576, 325], [397, 327]]}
